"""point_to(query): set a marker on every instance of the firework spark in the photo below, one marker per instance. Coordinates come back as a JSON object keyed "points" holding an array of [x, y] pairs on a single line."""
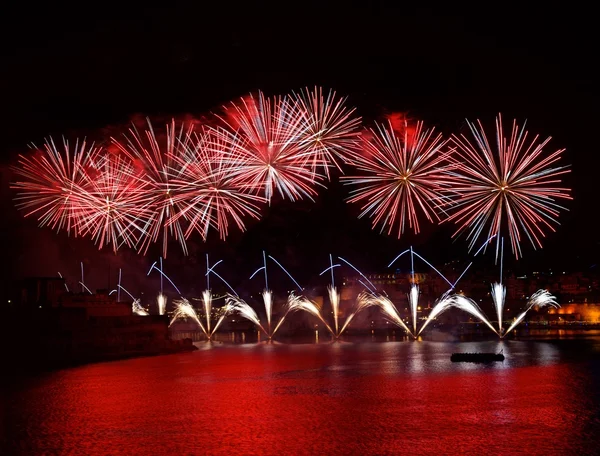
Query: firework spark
{"points": [[363, 300], [114, 209], [334, 300], [540, 298], [471, 307], [390, 311], [301, 303], [499, 296], [329, 128], [263, 138], [53, 181], [185, 310], [161, 302], [413, 301], [513, 186], [441, 305], [137, 308], [401, 175], [156, 159], [210, 188], [207, 302], [245, 310]]}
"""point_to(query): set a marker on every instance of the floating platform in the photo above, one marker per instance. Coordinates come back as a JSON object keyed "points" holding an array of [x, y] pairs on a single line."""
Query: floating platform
{"points": [[476, 357]]}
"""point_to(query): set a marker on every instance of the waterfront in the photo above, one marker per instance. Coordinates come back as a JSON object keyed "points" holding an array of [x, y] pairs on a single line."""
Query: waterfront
{"points": [[327, 398]]}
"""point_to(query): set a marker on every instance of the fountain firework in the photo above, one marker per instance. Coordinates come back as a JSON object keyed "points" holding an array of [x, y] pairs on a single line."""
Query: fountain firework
{"points": [[161, 302], [267, 294], [334, 299], [245, 310], [413, 301], [498, 297], [184, 310], [390, 311], [461, 302], [137, 308], [540, 298], [207, 302], [441, 305], [301, 303], [471, 307], [362, 302]]}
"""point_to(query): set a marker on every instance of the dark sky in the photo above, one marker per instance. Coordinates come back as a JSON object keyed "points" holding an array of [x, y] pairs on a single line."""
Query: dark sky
{"points": [[75, 71]]}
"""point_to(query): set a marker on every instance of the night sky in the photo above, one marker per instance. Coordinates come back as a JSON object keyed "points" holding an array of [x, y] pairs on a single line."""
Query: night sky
{"points": [[76, 72]]}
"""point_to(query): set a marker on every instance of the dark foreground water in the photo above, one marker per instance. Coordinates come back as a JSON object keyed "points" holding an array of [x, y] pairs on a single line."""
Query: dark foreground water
{"points": [[296, 399]]}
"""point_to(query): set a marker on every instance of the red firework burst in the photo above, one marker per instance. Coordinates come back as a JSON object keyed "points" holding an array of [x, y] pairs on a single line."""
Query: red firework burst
{"points": [[401, 174], [156, 158], [114, 206], [209, 189], [512, 186], [262, 138], [329, 129], [53, 180]]}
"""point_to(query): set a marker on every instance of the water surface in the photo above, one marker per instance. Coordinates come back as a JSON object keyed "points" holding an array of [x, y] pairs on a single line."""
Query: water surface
{"points": [[327, 398]]}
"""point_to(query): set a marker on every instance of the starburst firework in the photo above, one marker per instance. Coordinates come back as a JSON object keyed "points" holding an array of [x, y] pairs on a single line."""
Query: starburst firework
{"points": [[263, 138], [53, 180], [114, 207], [329, 129], [512, 186], [209, 190], [401, 175], [156, 158]]}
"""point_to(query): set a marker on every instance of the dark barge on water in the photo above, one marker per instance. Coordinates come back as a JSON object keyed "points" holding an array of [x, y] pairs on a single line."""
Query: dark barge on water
{"points": [[476, 357]]}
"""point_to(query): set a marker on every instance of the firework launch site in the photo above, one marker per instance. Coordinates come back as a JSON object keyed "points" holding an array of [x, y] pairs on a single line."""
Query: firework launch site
{"points": [[58, 322]]}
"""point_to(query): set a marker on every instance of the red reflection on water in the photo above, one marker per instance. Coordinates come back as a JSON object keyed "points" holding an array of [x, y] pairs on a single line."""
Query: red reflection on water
{"points": [[291, 400]]}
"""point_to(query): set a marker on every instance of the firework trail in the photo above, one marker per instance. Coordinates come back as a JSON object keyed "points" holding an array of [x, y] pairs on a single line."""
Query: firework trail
{"points": [[161, 302], [540, 298], [114, 209], [329, 129], [301, 303], [245, 310], [498, 297], [269, 156], [53, 180], [400, 175], [390, 311], [513, 186], [162, 274], [157, 162], [210, 185]]}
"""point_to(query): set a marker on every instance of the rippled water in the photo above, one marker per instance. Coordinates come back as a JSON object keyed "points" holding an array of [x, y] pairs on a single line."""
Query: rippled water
{"points": [[295, 399]]}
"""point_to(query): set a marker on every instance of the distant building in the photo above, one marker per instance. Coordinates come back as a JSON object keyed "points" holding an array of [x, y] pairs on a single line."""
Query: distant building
{"points": [[100, 304], [588, 313], [41, 292]]}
